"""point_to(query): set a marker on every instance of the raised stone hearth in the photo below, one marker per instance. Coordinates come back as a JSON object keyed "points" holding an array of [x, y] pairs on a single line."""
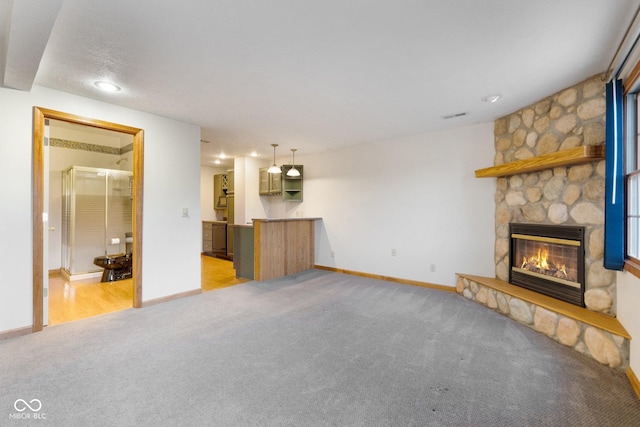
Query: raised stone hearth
{"points": [[596, 335]]}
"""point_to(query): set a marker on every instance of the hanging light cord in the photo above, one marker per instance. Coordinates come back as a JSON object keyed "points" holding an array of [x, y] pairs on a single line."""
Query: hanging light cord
{"points": [[274, 168], [293, 171]]}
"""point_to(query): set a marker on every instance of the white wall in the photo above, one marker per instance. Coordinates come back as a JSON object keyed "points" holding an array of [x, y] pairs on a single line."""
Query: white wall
{"points": [[248, 204], [417, 195], [239, 189], [171, 244], [628, 291]]}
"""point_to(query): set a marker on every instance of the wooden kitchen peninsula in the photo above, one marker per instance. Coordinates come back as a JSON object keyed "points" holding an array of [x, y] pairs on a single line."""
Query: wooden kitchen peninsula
{"points": [[282, 246]]}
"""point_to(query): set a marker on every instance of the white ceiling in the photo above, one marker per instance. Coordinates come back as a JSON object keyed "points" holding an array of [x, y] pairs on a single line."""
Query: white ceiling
{"points": [[312, 74]]}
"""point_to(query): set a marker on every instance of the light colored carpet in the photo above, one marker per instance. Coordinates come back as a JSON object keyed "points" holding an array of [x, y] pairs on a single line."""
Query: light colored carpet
{"points": [[315, 349]]}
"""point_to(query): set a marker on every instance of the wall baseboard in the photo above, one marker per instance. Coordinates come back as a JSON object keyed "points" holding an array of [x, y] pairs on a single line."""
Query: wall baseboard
{"points": [[171, 297], [633, 379], [388, 279], [12, 333]]}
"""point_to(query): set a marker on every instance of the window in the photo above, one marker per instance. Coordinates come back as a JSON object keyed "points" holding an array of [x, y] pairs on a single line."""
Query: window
{"points": [[632, 172], [622, 208]]}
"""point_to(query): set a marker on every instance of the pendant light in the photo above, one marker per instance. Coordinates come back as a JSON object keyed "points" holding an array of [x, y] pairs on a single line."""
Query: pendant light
{"points": [[273, 168], [293, 171]]}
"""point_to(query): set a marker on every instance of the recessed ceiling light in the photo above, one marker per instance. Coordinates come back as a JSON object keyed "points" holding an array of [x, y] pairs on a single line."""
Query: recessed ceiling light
{"points": [[107, 87], [216, 161], [223, 156], [492, 98], [254, 154]]}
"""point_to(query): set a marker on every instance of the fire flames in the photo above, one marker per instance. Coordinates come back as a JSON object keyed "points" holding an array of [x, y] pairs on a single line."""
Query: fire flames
{"points": [[540, 264]]}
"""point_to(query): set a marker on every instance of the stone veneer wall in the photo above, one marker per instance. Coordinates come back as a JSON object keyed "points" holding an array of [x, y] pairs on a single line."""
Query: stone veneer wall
{"points": [[571, 195]]}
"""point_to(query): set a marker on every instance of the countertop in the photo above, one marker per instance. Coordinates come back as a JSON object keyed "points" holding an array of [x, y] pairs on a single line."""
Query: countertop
{"points": [[242, 225], [284, 219], [216, 222]]}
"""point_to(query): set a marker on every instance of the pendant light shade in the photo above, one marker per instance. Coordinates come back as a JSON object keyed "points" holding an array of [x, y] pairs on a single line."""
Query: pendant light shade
{"points": [[273, 168], [293, 171]]}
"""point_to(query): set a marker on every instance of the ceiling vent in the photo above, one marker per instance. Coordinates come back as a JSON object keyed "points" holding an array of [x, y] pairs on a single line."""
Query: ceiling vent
{"points": [[451, 116]]}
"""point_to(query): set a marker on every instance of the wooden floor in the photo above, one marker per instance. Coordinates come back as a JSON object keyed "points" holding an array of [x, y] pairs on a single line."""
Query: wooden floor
{"points": [[75, 300], [218, 273], [79, 299]]}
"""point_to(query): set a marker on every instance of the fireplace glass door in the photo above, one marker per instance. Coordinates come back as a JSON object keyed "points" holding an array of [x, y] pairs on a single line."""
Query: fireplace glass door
{"points": [[548, 259]]}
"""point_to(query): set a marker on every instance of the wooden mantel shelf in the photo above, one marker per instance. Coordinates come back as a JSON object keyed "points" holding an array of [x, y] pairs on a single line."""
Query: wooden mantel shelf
{"points": [[572, 156]]}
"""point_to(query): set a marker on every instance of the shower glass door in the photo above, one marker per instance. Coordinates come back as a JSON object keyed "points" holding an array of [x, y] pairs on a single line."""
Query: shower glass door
{"points": [[96, 214], [118, 220]]}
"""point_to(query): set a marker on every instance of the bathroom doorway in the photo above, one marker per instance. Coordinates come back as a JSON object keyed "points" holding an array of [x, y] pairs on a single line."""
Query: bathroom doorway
{"points": [[90, 222], [127, 158]]}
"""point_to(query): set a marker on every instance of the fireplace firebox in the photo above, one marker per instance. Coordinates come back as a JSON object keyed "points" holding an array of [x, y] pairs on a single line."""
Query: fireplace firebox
{"points": [[548, 259]]}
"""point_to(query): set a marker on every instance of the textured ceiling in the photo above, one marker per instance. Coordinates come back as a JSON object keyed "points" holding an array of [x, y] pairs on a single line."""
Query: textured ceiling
{"points": [[318, 75]]}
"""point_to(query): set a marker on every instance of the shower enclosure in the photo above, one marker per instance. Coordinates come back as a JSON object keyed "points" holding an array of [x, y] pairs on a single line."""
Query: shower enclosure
{"points": [[96, 214]]}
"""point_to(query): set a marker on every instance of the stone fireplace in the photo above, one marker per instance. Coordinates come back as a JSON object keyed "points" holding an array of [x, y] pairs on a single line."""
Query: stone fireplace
{"points": [[568, 196], [549, 169], [548, 259]]}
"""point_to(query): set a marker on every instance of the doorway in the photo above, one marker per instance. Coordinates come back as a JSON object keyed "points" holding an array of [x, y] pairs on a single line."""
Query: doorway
{"points": [[41, 215]]}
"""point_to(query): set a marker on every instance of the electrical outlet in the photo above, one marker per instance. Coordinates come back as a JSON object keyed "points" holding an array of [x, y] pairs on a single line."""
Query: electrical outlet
{"points": [[432, 268], [185, 212], [393, 252], [333, 254]]}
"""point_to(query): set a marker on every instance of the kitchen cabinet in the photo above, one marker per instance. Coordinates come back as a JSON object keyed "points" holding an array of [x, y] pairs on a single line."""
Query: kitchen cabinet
{"points": [[207, 237], [243, 259], [219, 241], [270, 183], [220, 187], [214, 238], [292, 185], [282, 246]]}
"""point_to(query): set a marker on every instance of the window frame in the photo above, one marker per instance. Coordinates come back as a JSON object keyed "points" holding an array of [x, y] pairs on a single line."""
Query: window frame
{"points": [[631, 109]]}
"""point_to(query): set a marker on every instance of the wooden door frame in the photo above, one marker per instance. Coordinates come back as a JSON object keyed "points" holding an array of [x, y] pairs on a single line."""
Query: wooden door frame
{"points": [[39, 116]]}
